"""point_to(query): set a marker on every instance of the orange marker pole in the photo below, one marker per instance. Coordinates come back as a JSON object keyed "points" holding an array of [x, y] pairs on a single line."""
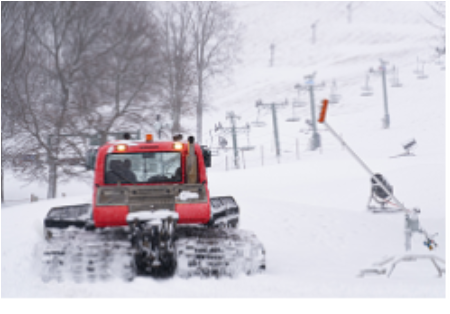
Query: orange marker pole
{"points": [[323, 113]]}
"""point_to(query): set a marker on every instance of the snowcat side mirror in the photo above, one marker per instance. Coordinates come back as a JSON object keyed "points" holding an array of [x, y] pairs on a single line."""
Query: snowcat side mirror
{"points": [[91, 157], [206, 152]]}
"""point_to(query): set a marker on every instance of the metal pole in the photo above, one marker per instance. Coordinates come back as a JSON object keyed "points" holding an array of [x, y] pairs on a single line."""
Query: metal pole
{"points": [[275, 129], [233, 132], [386, 121], [272, 52], [313, 37], [316, 137], [349, 13], [262, 155]]}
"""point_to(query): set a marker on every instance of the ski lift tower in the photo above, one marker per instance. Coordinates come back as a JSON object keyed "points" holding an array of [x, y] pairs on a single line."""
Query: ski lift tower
{"points": [[273, 107], [310, 86], [382, 70], [234, 130]]}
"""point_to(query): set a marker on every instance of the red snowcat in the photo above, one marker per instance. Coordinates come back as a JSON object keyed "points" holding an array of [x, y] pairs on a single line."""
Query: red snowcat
{"points": [[151, 214]]}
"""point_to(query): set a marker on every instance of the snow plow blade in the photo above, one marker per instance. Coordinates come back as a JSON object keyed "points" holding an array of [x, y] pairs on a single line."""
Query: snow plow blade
{"points": [[66, 216], [63, 217]]}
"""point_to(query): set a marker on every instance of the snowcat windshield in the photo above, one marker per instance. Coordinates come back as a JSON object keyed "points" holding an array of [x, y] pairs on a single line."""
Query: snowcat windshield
{"points": [[156, 167]]}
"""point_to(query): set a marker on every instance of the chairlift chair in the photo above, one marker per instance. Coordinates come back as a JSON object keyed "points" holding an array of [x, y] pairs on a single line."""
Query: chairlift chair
{"points": [[417, 70], [421, 75], [420, 71], [294, 118], [222, 142], [439, 53], [367, 89], [257, 123], [300, 103], [246, 148], [334, 98], [308, 128], [214, 151], [395, 82]]}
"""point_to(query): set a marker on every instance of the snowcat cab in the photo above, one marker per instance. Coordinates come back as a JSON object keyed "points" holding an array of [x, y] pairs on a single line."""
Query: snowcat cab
{"points": [[167, 176]]}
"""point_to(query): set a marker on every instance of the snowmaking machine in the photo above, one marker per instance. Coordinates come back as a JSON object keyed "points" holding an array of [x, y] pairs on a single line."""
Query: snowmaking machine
{"points": [[380, 200], [382, 193], [151, 214]]}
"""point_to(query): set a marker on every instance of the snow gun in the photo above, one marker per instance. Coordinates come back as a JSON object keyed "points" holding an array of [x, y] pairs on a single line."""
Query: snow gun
{"points": [[412, 222]]}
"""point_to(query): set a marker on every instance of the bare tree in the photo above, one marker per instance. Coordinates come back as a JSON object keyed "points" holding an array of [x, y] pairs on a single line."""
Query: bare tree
{"points": [[92, 63], [17, 19], [438, 9], [123, 81], [217, 42], [73, 69], [178, 79], [67, 35], [437, 20]]}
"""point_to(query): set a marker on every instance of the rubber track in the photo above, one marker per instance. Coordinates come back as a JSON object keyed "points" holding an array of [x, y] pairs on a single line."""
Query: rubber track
{"points": [[80, 255], [219, 252]]}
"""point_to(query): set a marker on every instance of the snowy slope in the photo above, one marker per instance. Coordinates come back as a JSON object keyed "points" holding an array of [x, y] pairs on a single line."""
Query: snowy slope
{"points": [[393, 31], [309, 212]]}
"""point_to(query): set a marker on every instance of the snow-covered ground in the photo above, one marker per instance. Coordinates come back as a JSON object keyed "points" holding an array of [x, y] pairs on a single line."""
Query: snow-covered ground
{"points": [[310, 212]]}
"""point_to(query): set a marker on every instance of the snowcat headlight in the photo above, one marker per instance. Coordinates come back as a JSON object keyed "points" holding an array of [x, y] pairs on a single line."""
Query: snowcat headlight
{"points": [[121, 148], [177, 146]]}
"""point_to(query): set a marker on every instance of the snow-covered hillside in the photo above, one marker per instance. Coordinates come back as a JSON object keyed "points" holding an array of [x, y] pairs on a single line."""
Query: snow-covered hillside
{"points": [[308, 210], [394, 31]]}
